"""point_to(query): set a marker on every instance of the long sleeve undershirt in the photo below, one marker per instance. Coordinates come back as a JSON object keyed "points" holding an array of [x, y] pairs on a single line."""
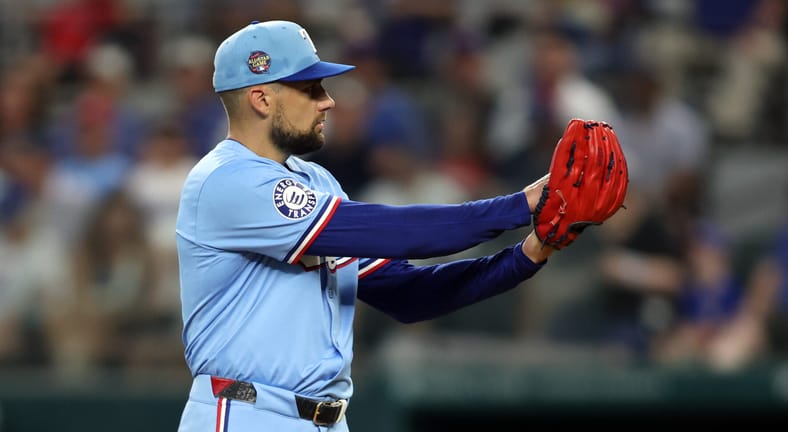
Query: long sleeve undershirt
{"points": [[410, 293], [417, 231]]}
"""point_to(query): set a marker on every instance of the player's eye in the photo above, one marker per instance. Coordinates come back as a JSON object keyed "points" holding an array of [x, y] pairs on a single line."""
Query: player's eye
{"points": [[316, 90]]}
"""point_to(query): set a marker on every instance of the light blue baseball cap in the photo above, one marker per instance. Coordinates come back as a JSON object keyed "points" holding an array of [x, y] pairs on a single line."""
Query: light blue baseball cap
{"points": [[269, 51]]}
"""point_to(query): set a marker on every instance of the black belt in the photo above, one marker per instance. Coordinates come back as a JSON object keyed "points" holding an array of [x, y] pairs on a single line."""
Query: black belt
{"points": [[321, 413]]}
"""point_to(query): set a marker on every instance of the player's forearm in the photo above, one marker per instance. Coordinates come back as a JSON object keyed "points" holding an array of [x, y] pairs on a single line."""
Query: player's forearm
{"points": [[417, 231], [409, 293]]}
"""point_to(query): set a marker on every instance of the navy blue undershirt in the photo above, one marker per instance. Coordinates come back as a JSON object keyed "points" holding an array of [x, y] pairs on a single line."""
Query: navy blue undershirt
{"points": [[410, 293], [417, 231]]}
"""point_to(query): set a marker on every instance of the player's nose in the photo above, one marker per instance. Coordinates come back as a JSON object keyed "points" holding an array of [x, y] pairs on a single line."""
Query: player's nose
{"points": [[326, 103]]}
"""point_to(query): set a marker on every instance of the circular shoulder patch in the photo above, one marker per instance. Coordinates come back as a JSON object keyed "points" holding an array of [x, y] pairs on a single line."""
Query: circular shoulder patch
{"points": [[294, 200]]}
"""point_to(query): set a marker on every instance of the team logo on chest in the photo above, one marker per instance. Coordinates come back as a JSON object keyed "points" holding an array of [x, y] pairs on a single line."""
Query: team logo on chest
{"points": [[294, 200]]}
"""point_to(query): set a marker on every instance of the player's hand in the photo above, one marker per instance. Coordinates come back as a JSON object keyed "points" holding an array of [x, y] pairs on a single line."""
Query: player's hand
{"points": [[534, 191], [533, 249], [588, 183]]}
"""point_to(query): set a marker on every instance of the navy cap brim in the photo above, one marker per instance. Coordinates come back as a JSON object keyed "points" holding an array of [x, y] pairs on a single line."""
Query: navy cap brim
{"points": [[319, 70]]}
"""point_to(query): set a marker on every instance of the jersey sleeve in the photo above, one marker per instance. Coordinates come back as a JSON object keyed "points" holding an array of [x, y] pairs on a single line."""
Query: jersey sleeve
{"points": [[276, 216], [367, 266], [411, 293]]}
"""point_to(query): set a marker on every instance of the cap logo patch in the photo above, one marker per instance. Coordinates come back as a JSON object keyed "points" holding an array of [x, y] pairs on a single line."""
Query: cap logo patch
{"points": [[259, 62], [294, 200]]}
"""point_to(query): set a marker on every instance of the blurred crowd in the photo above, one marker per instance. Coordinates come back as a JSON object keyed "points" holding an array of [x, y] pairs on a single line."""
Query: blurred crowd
{"points": [[105, 105]]}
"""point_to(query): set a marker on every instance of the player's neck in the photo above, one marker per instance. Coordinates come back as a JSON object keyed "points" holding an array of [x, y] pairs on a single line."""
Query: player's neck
{"points": [[259, 144]]}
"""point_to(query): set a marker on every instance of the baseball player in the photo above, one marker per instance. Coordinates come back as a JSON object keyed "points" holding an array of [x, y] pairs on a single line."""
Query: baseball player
{"points": [[273, 254]]}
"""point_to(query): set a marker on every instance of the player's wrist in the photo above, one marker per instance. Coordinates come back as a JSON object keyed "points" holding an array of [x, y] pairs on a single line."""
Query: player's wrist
{"points": [[532, 248], [533, 192]]}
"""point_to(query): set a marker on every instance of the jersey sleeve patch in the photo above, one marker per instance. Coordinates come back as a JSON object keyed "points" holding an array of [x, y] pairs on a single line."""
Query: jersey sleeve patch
{"points": [[293, 200]]}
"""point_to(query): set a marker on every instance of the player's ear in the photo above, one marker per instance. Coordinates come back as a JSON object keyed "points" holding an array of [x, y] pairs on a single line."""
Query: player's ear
{"points": [[260, 98]]}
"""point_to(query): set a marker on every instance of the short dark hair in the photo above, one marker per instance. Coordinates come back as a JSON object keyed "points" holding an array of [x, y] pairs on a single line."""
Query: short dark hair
{"points": [[231, 99]]}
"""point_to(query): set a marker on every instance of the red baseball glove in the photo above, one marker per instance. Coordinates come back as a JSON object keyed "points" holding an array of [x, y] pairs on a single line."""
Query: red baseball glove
{"points": [[588, 183]]}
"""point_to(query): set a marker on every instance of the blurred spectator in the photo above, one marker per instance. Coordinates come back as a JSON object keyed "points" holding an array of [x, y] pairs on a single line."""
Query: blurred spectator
{"points": [[531, 116], [33, 259], [14, 296], [408, 29], [154, 184], [220, 18], [198, 111], [760, 329], [641, 272], [22, 103], [111, 287], [70, 29], [750, 62], [708, 301], [102, 103], [90, 171], [393, 116], [666, 142], [95, 143], [394, 130], [403, 178], [462, 158], [463, 103], [723, 18], [22, 118]]}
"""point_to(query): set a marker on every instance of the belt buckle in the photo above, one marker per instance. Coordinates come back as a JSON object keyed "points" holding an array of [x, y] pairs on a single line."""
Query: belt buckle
{"points": [[341, 404]]}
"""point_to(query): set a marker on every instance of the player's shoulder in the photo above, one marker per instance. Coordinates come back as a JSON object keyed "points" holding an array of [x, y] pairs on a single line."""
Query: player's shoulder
{"points": [[229, 161], [305, 166], [312, 169]]}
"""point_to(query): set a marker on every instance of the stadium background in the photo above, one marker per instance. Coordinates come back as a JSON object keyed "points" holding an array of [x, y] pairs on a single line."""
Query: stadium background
{"points": [[664, 313]]}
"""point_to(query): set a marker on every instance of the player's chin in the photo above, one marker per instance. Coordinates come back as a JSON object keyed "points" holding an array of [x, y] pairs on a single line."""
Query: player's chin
{"points": [[315, 142], [318, 139], [320, 136]]}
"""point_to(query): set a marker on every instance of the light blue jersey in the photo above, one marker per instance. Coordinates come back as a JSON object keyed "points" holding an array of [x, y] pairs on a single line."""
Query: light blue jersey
{"points": [[268, 329], [254, 308]]}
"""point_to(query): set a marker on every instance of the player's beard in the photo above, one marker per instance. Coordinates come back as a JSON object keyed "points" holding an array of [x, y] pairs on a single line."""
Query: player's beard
{"points": [[294, 142]]}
